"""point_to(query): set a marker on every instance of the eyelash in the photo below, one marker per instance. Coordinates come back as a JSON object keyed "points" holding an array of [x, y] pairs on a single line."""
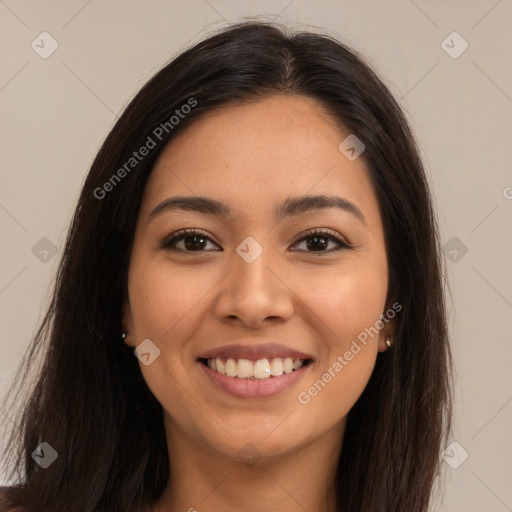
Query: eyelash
{"points": [[185, 233]]}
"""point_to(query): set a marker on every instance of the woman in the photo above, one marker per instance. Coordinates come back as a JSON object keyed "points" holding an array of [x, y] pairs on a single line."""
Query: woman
{"points": [[258, 231]]}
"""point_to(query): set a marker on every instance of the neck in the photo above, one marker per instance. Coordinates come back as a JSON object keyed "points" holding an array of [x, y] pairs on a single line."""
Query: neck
{"points": [[205, 481]]}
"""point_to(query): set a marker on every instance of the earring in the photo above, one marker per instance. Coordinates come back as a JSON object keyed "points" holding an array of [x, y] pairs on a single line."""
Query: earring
{"points": [[388, 341], [123, 335]]}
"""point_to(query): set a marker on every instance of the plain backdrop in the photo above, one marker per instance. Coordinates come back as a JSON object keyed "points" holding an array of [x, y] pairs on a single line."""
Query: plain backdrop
{"points": [[56, 111]]}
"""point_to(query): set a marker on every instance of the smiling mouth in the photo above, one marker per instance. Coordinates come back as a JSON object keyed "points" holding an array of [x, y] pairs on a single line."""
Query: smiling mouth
{"points": [[259, 369]]}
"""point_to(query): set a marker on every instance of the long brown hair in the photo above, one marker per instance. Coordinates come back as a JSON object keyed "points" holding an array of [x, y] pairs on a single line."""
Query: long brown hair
{"points": [[90, 401]]}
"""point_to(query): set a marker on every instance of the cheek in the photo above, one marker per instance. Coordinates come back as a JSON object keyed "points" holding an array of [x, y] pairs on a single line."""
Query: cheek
{"points": [[164, 302], [346, 307], [346, 300], [161, 297]]}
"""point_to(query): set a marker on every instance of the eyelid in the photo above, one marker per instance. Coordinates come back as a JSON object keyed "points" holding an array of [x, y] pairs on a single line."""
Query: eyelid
{"points": [[183, 233], [332, 234], [328, 233]]}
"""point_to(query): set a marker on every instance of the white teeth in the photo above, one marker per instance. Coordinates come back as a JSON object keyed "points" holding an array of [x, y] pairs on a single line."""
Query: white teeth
{"points": [[260, 369], [221, 367], [288, 365], [245, 369], [276, 367], [297, 363], [231, 367]]}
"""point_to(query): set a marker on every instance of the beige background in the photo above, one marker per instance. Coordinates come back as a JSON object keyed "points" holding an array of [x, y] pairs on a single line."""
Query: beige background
{"points": [[56, 112]]}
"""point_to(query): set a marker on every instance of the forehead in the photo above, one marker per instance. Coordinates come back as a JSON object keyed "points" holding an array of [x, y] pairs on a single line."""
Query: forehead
{"points": [[250, 155]]}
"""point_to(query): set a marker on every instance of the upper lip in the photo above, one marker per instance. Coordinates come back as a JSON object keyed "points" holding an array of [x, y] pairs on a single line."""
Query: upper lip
{"points": [[254, 352]]}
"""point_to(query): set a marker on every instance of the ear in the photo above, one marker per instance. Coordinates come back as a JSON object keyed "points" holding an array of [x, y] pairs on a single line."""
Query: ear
{"points": [[127, 324], [387, 333], [389, 325]]}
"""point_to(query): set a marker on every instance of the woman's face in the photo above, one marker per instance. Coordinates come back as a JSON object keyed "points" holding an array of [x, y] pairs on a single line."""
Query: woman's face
{"points": [[251, 290]]}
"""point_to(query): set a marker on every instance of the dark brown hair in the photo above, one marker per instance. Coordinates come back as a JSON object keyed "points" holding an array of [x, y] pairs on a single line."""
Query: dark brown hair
{"points": [[90, 401]]}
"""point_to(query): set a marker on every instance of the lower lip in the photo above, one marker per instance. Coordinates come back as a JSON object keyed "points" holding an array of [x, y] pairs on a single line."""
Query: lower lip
{"points": [[254, 388]]}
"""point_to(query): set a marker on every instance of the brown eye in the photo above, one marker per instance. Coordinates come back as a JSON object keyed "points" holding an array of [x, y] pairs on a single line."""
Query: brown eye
{"points": [[318, 241], [193, 241]]}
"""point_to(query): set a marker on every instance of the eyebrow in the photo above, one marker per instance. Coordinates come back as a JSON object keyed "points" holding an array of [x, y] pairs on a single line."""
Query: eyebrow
{"points": [[291, 206]]}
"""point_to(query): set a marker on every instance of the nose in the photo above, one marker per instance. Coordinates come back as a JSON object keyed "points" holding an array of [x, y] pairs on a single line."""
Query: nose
{"points": [[253, 294]]}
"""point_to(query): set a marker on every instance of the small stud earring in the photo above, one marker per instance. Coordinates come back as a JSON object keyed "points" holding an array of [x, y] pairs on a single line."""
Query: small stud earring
{"points": [[123, 335], [388, 341]]}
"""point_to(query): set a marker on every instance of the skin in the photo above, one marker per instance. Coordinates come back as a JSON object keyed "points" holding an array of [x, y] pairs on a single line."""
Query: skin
{"points": [[252, 157]]}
